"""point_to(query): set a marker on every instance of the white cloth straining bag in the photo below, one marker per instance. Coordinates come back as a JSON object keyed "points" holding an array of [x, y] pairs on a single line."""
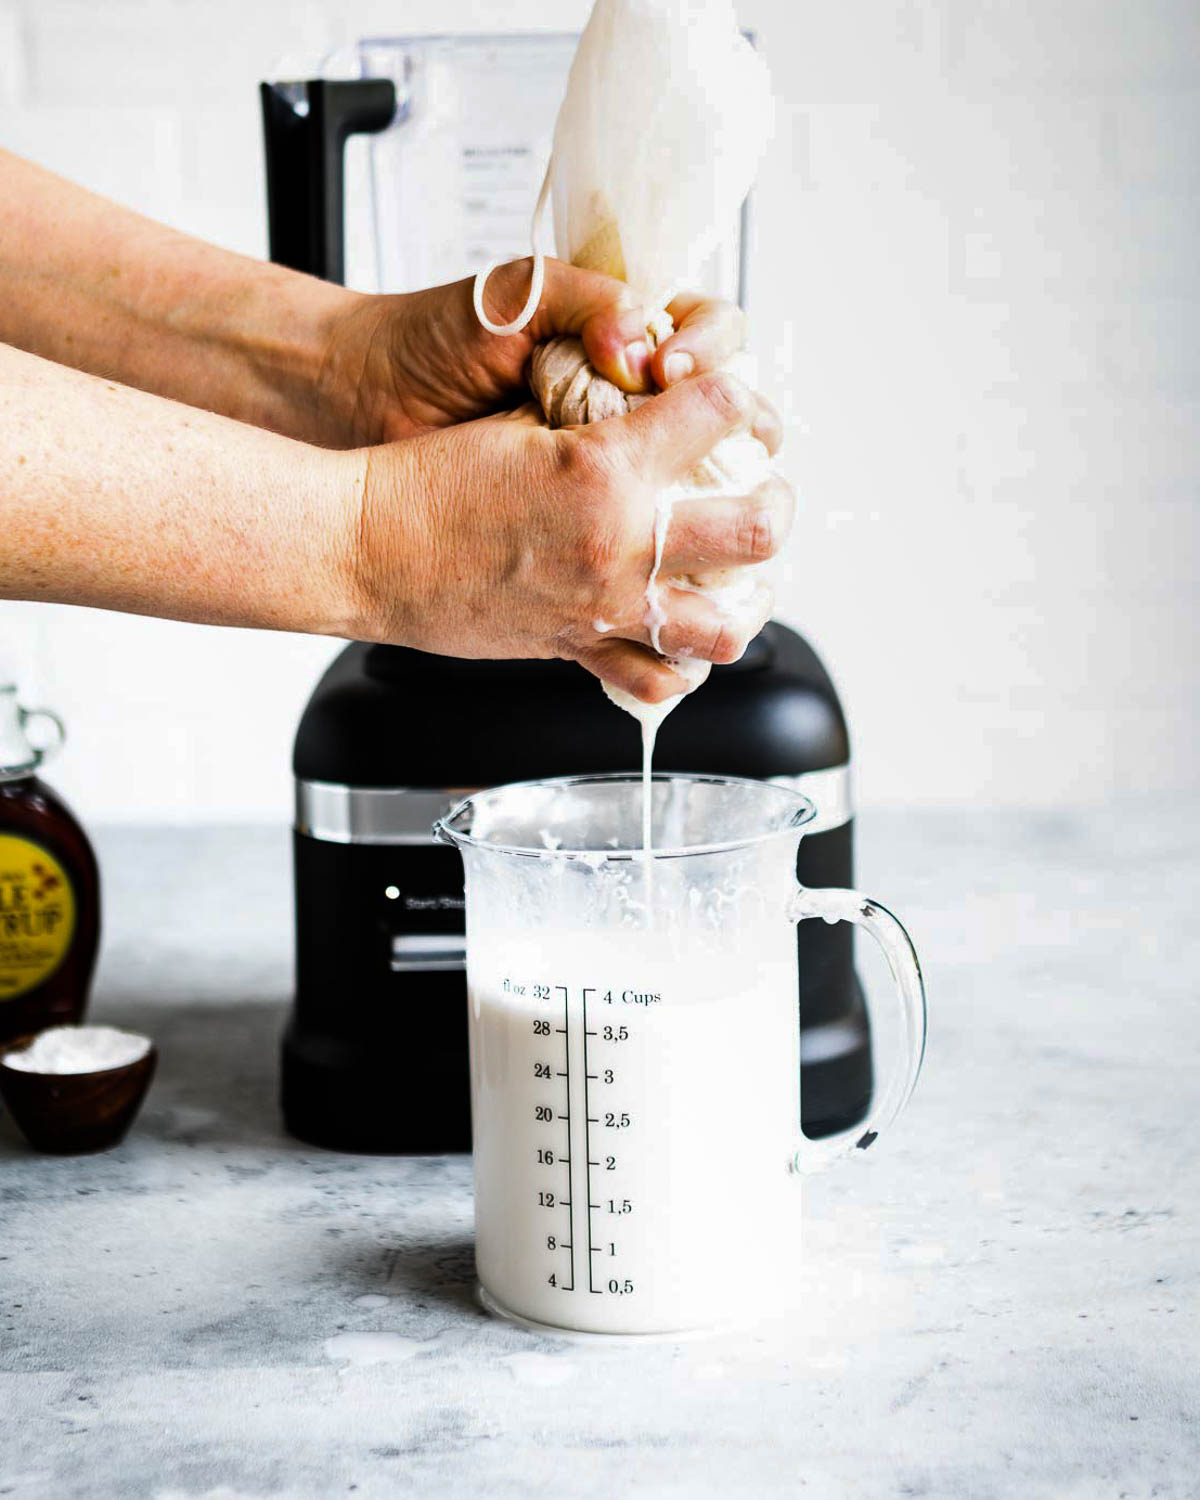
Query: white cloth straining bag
{"points": [[667, 112]]}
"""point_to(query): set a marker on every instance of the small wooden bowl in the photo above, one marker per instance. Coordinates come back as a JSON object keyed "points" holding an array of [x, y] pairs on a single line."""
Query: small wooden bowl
{"points": [[72, 1113]]}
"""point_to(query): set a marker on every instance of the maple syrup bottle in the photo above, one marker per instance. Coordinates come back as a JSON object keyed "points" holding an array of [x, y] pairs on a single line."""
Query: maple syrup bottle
{"points": [[49, 884]]}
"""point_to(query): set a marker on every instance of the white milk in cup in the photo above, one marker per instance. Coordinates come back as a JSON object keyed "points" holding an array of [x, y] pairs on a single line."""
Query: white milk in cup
{"points": [[635, 1047]]}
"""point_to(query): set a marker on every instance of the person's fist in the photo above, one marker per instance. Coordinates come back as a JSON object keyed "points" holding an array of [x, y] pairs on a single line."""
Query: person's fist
{"points": [[501, 538], [394, 366]]}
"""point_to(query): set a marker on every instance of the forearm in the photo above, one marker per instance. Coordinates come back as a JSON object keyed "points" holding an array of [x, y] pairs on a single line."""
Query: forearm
{"points": [[93, 285], [118, 499]]}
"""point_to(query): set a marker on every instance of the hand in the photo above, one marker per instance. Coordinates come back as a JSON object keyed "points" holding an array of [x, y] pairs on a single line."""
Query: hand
{"points": [[394, 366], [501, 538]]}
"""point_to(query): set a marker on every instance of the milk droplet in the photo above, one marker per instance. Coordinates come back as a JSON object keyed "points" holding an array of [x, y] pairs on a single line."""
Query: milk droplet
{"points": [[371, 1348], [540, 1370]]}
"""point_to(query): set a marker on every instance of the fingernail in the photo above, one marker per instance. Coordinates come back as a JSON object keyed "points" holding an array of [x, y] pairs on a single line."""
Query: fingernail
{"points": [[677, 367], [637, 357]]}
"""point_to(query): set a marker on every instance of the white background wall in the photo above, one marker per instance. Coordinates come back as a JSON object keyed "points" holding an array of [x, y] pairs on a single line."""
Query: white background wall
{"points": [[974, 294]]}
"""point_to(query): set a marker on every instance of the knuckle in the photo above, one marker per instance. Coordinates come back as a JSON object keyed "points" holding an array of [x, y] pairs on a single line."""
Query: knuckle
{"points": [[644, 683], [728, 398], [584, 460], [757, 533], [656, 683], [725, 643], [639, 674]]}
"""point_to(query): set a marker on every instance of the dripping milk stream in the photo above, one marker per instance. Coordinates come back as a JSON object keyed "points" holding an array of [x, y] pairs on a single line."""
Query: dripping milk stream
{"points": [[650, 721], [651, 715]]}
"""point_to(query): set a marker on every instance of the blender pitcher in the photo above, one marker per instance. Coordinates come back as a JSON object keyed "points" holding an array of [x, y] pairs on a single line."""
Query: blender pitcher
{"points": [[419, 158], [634, 1038]]}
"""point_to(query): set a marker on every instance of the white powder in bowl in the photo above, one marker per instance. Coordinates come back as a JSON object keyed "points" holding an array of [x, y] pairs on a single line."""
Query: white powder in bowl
{"points": [[79, 1049]]}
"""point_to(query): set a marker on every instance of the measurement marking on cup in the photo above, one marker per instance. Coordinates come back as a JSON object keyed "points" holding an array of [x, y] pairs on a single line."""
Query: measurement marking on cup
{"points": [[588, 1122], [565, 1030]]}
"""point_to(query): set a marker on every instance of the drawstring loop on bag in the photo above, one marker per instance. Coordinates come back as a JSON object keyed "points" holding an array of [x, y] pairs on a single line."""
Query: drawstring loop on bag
{"points": [[537, 280]]}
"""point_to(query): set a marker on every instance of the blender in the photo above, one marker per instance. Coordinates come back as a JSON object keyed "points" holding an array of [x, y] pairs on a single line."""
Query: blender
{"points": [[419, 163]]}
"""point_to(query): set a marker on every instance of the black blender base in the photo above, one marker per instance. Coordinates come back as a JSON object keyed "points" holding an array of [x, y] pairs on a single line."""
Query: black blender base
{"points": [[345, 1100], [837, 1078], [836, 1094]]}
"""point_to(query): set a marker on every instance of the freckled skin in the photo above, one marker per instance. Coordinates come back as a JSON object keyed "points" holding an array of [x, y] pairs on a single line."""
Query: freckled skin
{"points": [[190, 433]]}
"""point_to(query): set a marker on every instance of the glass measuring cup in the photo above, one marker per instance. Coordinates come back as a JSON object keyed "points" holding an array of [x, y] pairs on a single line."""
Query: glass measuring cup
{"points": [[635, 1062]]}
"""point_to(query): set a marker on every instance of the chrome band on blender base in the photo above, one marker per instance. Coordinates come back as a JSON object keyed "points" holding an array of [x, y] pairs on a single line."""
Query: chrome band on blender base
{"points": [[369, 814], [406, 815]]}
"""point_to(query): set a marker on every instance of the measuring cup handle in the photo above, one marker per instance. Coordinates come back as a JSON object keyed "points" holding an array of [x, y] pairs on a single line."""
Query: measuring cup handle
{"points": [[850, 906]]}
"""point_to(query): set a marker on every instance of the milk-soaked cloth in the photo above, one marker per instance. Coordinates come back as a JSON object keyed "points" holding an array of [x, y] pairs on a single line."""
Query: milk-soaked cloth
{"points": [[667, 112]]}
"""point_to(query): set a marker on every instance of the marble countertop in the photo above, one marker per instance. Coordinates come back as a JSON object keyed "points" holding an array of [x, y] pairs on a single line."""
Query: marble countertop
{"points": [[1000, 1300]]}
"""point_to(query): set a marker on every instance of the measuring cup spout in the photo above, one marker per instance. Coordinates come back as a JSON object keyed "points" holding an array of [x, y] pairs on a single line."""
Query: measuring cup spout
{"points": [[452, 825]]}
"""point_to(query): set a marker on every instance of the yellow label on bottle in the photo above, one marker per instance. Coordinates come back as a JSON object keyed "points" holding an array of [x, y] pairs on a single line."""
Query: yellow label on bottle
{"points": [[37, 915]]}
